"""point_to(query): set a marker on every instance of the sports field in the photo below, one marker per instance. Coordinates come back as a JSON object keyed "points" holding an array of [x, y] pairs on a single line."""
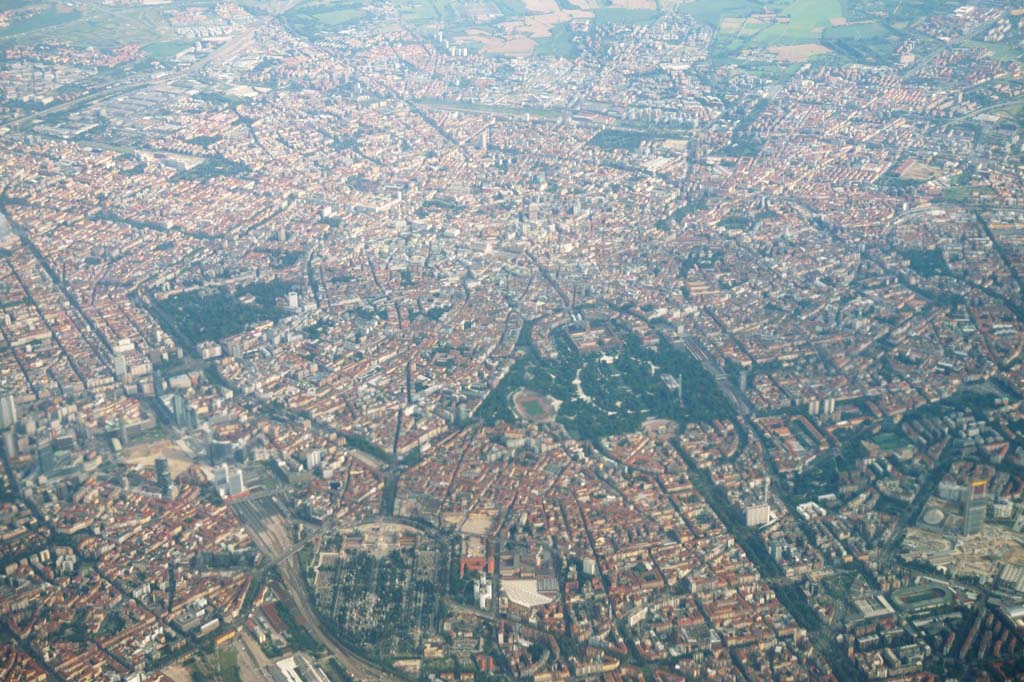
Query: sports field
{"points": [[921, 596], [533, 407]]}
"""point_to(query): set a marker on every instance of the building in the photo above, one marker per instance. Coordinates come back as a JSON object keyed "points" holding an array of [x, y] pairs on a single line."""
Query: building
{"points": [[975, 507], [298, 668], [122, 431], [46, 460], [163, 476], [180, 408], [236, 482], [874, 606], [1018, 521], [10, 444], [1011, 577], [758, 515], [948, 490], [312, 459], [230, 481], [8, 411], [483, 591]]}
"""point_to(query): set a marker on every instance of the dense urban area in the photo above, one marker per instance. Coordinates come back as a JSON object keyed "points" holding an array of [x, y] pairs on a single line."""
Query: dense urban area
{"points": [[480, 340]]}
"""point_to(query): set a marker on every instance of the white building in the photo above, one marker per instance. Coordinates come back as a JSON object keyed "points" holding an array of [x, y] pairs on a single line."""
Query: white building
{"points": [[483, 591], [948, 490], [758, 515], [1002, 509], [313, 459], [236, 482], [8, 411]]}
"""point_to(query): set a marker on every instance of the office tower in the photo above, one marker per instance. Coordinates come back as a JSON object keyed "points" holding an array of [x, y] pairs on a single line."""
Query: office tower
{"points": [[180, 410], [122, 431], [975, 506], [163, 476]]}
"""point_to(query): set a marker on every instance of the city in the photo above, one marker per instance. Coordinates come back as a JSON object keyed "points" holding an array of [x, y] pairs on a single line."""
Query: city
{"points": [[625, 340]]}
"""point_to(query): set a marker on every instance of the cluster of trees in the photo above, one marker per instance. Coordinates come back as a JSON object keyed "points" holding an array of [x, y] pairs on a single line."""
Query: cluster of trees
{"points": [[215, 166], [298, 637], [622, 394], [382, 606], [266, 293], [926, 262], [209, 315], [618, 139]]}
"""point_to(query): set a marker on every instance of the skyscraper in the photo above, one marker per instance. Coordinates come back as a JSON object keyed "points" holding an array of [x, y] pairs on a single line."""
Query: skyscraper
{"points": [[163, 476], [122, 431], [975, 506], [180, 408]]}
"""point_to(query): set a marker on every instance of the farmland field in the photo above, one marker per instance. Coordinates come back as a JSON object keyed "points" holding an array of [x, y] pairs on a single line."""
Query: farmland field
{"points": [[807, 20]]}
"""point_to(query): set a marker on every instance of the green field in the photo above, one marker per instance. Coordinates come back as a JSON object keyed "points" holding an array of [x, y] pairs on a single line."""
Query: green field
{"points": [[1004, 51], [228, 659], [871, 30], [454, 14], [712, 12], [959, 194], [620, 15], [338, 17], [807, 20], [869, 42], [532, 408], [165, 50], [889, 441], [315, 19], [457, 15], [420, 11], [921, 597], [867, 39], [45, 19], [559, 44], [110, 28]]}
